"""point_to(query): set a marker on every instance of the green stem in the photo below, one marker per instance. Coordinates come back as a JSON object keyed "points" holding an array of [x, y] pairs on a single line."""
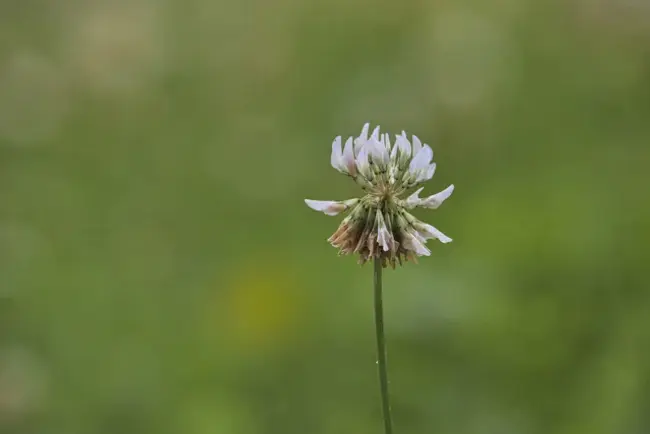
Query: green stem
{"points": [[381, 347]]}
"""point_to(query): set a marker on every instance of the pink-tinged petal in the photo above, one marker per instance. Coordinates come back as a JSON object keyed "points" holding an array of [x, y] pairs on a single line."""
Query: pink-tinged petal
{"points": [[326, 206], [434, 201], [337, 155], [348, 157]]}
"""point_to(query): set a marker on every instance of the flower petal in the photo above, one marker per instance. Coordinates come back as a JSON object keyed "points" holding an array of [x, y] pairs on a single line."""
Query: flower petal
{"points": [[397, 147], [421, 160], [328, 207], [348, 158], [429, 232], [378, 151], [434, 201], [414, 199], [386, 141], [383, 237], [358, 144], [375, 133], [404, 145], [364, 131], [362, 161], [360, 141], [337, 155], [427, 174], [394, 149], [412, 243], [417, 144]]}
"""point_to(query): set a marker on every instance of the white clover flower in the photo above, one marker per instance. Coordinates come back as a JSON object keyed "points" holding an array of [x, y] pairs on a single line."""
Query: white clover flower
{"points": [[379, 225]]}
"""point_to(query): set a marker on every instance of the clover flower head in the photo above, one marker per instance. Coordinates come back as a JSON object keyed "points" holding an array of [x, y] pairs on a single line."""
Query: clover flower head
{"points": [[379, 225]]}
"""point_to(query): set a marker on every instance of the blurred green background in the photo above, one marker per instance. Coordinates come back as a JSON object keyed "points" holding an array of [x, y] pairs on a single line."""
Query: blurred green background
{"points": [[160, 273]]}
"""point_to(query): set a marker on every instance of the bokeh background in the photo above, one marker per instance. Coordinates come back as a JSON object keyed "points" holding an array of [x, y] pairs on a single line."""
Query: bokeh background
{"points": [[160, 273]]}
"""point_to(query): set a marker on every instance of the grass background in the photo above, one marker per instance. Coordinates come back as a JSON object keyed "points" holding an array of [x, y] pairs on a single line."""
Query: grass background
{"points": [[160, 273]]}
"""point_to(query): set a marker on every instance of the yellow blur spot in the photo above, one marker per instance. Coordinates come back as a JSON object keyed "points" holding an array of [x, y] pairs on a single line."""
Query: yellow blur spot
{"points": [[261, 307]]}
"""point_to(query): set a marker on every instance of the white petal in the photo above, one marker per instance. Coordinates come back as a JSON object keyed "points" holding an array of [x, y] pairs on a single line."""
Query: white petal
{"points": [[377, 150], [364, 131], [358, 144], [375, 133], [360, 141], [404, 145], [348, 157], [427, 174], [434, 201], [362, 160], [337, 155], [393, 151], [386, 141], [414, 199], [412, 243], [417, 145], [382, 238], [421, 238], [420, 248], [326, 206], [421, 159], [430, 232], [374, 150]]}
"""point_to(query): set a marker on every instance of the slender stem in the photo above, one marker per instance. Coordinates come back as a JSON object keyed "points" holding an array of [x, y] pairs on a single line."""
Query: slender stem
{"points": [[381, 348]]}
